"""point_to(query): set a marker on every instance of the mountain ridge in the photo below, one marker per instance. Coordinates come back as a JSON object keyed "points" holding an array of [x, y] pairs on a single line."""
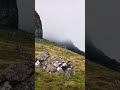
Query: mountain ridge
{"points": [[68, 44], [96, 55]]}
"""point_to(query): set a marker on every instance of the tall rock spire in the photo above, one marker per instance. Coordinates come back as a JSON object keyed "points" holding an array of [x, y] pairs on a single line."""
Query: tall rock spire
{"points": [[8, 13], [38, 26]]}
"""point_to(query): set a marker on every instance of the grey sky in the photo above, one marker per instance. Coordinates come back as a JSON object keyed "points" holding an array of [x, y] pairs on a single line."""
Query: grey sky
{"points": [[103, 25], [63, 19]]}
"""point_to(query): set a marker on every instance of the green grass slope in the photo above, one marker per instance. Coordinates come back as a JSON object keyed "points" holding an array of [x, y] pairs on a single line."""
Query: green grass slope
{"points": [[10, 46], [101, 78], [45, 81]]}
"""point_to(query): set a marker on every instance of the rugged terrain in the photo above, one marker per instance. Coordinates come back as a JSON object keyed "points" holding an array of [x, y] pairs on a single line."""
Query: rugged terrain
{"points": [[16, 60], [45, 81], [102, 72], [96, 55], [99, 77]]}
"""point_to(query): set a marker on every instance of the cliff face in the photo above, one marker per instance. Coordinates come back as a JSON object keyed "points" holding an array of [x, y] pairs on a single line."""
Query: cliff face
{"points": [[8, 13], [38, 26]]}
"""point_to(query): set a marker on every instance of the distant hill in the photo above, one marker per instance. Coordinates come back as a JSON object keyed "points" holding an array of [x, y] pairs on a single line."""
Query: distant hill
{"points": [[68, 44], [96, 55], [102, 72]]}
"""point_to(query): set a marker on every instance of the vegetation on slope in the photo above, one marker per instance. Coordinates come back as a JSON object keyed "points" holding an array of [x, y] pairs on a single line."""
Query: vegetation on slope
{"points": [[45, 81], [14, 47], [101, 78]]}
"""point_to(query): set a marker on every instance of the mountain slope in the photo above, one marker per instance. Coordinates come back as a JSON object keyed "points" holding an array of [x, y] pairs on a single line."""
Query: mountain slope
{"points": [[70, 46], [99, 77], [60, 82], [14, 46], [96, 55], [102, 72]]}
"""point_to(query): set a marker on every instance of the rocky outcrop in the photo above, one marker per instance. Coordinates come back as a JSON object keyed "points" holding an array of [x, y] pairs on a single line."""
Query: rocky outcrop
{"points": [[18, 77], [52, 64], [38, 26], [8, 13]]}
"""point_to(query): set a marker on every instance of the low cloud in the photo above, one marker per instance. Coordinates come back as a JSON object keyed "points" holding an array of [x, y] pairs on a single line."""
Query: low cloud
{"points": [[63, 19]]}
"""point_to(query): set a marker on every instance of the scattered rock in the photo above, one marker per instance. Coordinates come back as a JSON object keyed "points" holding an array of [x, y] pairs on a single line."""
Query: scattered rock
{"points": [[18, 77], [6, 86], [52, 64], [18, 73], [2, 79], [42, 57]]}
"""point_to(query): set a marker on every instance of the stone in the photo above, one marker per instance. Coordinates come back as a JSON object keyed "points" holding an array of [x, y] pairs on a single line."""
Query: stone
{"points": [[43, 56], [18, 73], [37, 62], [60, 70], [53, 64], [50, 68], [6, 86], [2, 79], [18, 77], [69, 72]]}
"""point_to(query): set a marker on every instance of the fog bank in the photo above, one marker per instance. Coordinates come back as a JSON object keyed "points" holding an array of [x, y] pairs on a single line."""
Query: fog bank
{"points": [[63, 19]]}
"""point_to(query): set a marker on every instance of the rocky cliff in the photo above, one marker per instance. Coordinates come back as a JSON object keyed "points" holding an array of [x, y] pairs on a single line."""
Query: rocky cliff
{"points": [[38, 26], [8, 13]]}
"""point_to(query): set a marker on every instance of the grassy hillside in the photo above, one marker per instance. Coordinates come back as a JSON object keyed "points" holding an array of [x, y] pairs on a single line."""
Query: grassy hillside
{"points": [[101, 78], [14, 48], [45, 81]]}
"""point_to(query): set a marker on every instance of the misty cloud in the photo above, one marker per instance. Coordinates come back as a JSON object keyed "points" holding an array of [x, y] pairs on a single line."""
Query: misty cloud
{"points": [[63, 19]]}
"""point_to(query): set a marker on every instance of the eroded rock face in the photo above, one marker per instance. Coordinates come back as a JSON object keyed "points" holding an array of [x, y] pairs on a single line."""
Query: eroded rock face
{"points": [[6, 86], [18, 77], [38, 26], [8, 13], [52, 64]]}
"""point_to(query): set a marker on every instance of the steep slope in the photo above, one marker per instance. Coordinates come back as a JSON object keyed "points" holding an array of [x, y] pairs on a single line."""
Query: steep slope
{"points": [[16, 60], [70, 46], [96, 55], [102, 72], [45, 81], [14, 46], [99, 77]]}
